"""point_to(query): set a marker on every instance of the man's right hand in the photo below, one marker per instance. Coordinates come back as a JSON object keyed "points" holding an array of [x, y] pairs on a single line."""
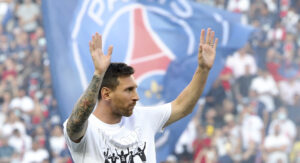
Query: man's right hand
{"points": [[101, 61]]}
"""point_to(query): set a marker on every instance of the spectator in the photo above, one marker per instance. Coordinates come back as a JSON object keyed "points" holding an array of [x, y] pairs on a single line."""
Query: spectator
{"points": [[238, 6], [215, 96], [22, 102], [9, 72], [276, 146], [242, 84], [266, 88], [228, 140], [252, 128], [291, 20], [203, 147], [293, 110], [36, 154], [5, 99], [273, 63], [40, 136], [228, 107], [265, 17], [28, 14], [277, 33], [286, 126], [259, 107], [259, 43], [226, 78], [19, 142], [209, 124], [13, 122], [294, 155], [57, 141], [27, 106], [239, 60], [288, 90], [6, 151]]}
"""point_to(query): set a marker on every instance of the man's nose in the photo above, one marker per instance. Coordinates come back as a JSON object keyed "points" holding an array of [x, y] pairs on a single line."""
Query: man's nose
{"points": [[136, 96]]}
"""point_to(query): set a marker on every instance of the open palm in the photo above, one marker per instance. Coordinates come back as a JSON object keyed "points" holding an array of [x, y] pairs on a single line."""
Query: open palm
{"points": [[101, 61], [207, 49]]}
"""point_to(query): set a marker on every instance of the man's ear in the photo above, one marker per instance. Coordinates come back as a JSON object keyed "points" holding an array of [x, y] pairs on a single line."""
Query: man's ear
{"points": [[105, 93]]}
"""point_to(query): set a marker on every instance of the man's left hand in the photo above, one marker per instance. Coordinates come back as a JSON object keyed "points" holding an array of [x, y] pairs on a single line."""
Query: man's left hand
{"points": [[207, 49]]}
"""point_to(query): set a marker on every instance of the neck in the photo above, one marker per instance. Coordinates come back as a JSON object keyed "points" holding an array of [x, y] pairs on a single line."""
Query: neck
{"points": [[104, 112]]}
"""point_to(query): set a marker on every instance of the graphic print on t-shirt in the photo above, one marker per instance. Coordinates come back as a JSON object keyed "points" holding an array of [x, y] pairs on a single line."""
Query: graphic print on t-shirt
{"points": [[113, 158], [125, 155]]}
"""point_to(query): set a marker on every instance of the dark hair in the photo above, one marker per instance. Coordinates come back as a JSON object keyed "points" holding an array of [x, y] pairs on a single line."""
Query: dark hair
{"points": [[113, 72]]}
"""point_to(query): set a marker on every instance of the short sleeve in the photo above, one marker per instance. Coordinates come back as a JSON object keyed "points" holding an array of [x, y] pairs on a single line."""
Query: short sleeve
{"points": [[158, 115], [72, 145]]}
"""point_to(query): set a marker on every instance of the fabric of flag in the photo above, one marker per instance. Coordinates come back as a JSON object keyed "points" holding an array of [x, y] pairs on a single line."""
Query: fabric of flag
{"points": [[159, 38]]}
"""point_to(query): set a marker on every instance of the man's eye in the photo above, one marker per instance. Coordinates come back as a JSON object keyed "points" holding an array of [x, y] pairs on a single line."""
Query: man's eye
{"points": [[129, 89]]}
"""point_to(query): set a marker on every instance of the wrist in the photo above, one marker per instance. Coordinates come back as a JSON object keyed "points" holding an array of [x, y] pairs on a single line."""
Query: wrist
{"points": [[98, 73], [202, 69]]}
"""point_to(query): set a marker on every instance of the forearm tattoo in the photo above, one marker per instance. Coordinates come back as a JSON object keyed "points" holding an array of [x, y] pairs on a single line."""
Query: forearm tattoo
{"points": [[84, 107]]}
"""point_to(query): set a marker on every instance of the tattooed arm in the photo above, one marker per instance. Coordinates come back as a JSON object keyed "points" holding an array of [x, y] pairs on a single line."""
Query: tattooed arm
{"points": [[77, 122]]}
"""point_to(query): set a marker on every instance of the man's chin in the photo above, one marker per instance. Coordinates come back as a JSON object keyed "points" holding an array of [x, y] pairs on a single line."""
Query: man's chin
{"points": [[128, 114]]}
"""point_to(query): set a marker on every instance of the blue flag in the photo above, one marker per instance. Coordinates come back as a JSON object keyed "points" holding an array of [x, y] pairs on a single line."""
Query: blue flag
{"points": [[233, 36], [149, 35]]}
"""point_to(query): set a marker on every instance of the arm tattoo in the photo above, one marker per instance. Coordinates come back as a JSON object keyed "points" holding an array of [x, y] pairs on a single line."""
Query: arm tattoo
{"points": [[84, 107]]}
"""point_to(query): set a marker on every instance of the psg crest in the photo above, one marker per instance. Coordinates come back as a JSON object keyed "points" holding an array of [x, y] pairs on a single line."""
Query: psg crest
{"points": [[147, 35]]}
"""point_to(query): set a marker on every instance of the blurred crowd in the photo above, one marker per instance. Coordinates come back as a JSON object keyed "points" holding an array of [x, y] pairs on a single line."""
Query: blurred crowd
{"points": [[249, 116], [252, 112], [30, 125]]}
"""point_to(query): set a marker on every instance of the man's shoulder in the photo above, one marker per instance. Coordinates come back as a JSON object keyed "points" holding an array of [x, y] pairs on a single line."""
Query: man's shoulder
{"points": [[141, 108]]}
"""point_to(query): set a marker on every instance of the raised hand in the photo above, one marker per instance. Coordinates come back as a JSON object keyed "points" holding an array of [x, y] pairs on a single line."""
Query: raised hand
{"points": [[207, 49], [101, 61]]}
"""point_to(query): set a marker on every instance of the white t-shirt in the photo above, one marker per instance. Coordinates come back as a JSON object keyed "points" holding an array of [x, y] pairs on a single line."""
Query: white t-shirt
{"points": [[25, 103], [8, 128], [252, 127], [131, 140], [35, 156], [28, 12], [238, 63], [57, 144], [20, 144], [288, 90], [238, 6], [287, 128], [273, 141], [263, 86]]}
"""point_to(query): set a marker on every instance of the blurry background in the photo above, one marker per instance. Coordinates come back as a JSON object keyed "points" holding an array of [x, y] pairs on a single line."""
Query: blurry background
{"points": [[249, 114]]}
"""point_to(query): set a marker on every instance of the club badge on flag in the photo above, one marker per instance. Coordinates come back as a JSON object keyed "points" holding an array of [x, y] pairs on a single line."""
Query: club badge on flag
{"points": [[148, 35]]}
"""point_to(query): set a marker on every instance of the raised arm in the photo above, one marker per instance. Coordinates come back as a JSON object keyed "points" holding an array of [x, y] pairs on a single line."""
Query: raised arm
{"points": [[77, 123], [186, 101]]}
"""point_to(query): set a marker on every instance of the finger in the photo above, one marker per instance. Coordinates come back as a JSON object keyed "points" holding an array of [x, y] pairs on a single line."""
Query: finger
{"points": [[97, 40], [200, 52], [90, 45], [110, 50], [207, 36], [93, 41], [202, 36], [212, 35], [200, 48], [100, 41], [216, 43]]}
